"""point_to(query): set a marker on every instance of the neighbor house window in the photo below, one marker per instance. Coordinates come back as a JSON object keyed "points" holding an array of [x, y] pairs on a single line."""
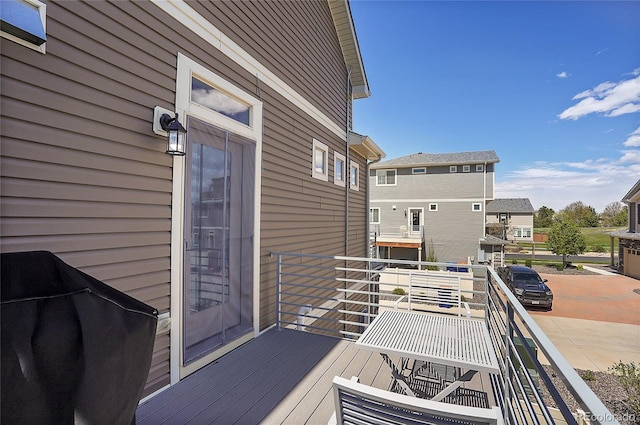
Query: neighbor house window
{"points": [[385, 177], [339, 168], [433, 207], [466, 168], [354, 176], [453, 168], [420, 170], [476, 206], [479, 167], [320, 161], [374, 215], [24, 22]]}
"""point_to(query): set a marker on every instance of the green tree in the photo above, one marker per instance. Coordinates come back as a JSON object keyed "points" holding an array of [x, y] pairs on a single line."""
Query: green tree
{"points": [[543, 217], [616, 214], [581, 214], [565, 238]]}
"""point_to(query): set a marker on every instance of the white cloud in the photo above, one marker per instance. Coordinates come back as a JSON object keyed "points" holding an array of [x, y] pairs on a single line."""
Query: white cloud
{"points": [[556, 184], [634, 139], [609, 99], [563, 74]]}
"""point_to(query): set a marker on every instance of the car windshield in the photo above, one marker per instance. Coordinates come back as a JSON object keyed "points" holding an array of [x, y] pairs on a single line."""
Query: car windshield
{"points": [[526, 277]]}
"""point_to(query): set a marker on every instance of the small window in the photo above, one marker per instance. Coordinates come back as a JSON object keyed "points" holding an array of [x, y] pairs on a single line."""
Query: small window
{"points": [[385, 177], [479, 167], [420, 170], [453, 168], [476, 206], [320, 161], [24, 22], [211, 98], [339, 168], [354, 176], [466, 168], [433, 207], [374, 215]]}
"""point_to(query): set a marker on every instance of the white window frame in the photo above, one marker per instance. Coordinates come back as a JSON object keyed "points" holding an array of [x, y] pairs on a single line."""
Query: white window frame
{"points": [[419, 170], [433, 207], [476, 204], [42, 10], [466, 168], [354, 166], [479, 167], [323, 175], [337, 158], [385, 171], [453, 168], [370, 211]]}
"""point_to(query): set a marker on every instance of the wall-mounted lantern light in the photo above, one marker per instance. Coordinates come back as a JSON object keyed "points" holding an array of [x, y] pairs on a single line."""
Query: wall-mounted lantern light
{"points": [[166, 123]]}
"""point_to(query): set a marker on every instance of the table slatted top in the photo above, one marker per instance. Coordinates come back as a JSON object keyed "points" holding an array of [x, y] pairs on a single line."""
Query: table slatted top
{"points": [[449, 340]]}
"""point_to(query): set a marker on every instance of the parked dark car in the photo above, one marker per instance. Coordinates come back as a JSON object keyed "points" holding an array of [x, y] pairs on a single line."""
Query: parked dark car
{"points": [[527, 285]]}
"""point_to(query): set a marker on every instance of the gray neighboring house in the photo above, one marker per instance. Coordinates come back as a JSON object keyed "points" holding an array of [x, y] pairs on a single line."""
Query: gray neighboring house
{"points": [[629, 239], [423, 201], [511, 219]]}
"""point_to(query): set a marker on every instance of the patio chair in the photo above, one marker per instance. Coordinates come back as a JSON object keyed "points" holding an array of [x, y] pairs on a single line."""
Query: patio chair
{"points": [[358, 403]]}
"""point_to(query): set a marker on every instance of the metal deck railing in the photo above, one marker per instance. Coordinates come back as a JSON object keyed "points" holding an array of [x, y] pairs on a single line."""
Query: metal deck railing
{"points": [[338, 296]]}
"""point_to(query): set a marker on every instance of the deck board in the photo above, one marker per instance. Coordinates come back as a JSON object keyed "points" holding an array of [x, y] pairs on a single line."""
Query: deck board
{"points": [[281, 377]]}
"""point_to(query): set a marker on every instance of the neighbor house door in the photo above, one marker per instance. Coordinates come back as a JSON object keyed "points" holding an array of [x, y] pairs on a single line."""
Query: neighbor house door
{"points": [[415, 221], [219, 214]]}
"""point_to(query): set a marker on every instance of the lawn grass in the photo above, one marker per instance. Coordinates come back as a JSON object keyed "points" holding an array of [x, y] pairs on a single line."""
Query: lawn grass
{"points": [[597, 238]]}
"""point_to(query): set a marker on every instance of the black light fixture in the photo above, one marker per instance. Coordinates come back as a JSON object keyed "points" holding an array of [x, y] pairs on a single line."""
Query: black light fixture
{"points": [[176, 134]]}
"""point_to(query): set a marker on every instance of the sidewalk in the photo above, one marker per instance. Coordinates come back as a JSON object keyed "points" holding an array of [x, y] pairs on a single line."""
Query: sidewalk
{"points": [[590, 344]]}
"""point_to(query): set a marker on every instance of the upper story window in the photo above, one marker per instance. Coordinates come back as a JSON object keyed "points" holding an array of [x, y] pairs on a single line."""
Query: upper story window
{"points": [[320, 161], [479, 167], [419, 170], [354, 173], [453, 168], [374, 215], [385, 177], [205, 95], [339, 168], [476, 206], [466, 168], [24, 22], [433, 207]]}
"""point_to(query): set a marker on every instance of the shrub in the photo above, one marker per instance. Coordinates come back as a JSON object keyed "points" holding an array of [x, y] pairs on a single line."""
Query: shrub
{"points": [[398, 291], [514, 261], [527, 263], [588, 375], [559, 267], [579, 267], [629, 376]]}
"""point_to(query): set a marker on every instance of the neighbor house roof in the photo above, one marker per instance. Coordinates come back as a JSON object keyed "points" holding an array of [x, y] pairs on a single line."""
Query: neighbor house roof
{"points": [[493, 240], [433, 159], [634, 194], [510, 205], [342, 19]]}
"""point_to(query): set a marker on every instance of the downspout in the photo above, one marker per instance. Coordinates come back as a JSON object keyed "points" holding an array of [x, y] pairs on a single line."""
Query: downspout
{"points": [[484, 208], [347, 165]]}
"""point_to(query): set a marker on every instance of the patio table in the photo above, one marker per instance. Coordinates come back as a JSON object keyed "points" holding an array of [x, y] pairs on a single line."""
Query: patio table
{"points": [[448, 340]]}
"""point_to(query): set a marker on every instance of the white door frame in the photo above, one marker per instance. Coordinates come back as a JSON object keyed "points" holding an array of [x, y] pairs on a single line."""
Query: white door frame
{"points": [[186, 68]]}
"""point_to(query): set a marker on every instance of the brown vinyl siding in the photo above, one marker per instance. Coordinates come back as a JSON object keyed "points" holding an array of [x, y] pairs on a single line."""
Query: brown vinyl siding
{"points": [[83, 175]]}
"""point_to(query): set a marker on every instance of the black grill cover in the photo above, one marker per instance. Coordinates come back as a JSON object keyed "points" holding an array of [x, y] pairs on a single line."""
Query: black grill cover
{"points": [[74, 350]]}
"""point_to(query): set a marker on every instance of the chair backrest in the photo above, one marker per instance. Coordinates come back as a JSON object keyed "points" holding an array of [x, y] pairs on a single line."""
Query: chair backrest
{"points": [[358, 403]]}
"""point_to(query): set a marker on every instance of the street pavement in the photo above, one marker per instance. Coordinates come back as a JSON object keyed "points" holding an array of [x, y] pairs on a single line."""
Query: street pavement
{"points": [[595, 321]]}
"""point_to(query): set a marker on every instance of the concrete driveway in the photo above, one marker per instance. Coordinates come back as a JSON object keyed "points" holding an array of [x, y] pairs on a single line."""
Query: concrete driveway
{"points": [[595, 321]]}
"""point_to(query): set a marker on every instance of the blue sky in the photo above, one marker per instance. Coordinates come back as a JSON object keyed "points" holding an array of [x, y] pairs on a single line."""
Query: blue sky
{"points": [[552, 87]]}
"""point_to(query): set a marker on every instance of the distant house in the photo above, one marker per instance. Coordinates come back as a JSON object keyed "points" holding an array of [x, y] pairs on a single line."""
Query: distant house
{"points": [[424, 203], [511, 219], [265, 91], [629, 239]]}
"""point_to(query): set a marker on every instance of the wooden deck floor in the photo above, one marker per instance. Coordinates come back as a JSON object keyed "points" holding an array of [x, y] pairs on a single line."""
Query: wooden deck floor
{"points": [[281, 377]]}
